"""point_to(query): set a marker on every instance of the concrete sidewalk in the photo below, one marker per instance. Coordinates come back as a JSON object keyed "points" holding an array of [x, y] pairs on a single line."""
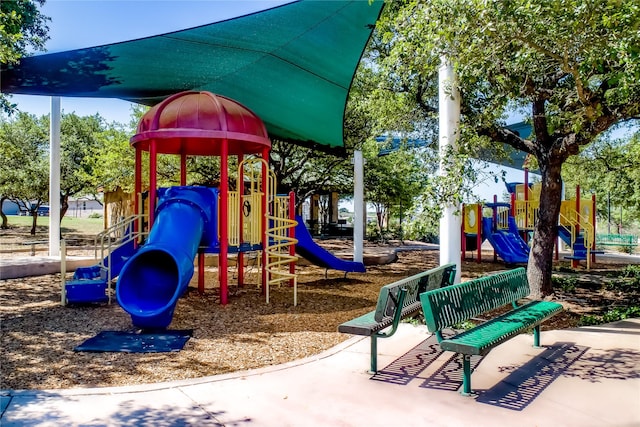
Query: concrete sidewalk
{"points": [[15, 268], [582, 377]]}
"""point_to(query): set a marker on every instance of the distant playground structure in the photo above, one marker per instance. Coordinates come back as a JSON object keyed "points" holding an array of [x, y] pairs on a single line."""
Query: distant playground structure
{"points": [[153, 252], [508, 226]]}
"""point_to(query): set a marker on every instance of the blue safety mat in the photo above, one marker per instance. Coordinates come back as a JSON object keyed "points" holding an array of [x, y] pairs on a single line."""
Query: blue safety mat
{"points": [[136, 342]]}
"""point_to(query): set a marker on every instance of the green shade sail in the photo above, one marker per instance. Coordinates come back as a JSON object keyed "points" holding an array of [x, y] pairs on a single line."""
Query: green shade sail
{"points": [[292, 65]]}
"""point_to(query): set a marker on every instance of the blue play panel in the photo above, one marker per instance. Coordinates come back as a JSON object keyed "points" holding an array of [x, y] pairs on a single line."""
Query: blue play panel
{"points": [[136, 342], [86, 291]]}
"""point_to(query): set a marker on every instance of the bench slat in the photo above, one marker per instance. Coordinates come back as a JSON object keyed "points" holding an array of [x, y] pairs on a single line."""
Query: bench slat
{"points": [[382, 317], [383, 321], [449, 306], [364, 325], [454, 304], [415, 285], [482, 338]]}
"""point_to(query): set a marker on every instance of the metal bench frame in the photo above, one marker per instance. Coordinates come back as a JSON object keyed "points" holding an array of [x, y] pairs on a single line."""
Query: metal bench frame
{"points": [[404, 294], [448, 307]]}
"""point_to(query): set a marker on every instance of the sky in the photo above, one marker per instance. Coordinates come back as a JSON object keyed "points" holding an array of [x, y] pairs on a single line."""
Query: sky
{"points": [[86, 23]]}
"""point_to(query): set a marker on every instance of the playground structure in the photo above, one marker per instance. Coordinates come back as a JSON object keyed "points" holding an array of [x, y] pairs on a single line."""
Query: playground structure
{"points": [[499, 228], [510, 225], [240, 214]]}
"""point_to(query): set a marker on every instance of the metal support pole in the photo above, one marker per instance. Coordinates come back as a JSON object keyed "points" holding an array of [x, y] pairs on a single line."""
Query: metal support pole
{"points": [[54, 177], [358, 206], [449, 119], [466, 375]]}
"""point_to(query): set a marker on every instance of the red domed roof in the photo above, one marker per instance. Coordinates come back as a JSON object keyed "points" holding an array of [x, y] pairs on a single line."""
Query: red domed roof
{"points": [[196, 123]]}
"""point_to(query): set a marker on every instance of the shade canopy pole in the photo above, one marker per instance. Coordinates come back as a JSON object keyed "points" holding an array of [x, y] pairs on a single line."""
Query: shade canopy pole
{"points": [[54, 177], [449, 123], [358, 206]]}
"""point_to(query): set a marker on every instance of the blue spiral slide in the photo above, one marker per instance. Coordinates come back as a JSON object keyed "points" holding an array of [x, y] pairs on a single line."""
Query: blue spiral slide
{"points": [[316, 254], [153, 279]]}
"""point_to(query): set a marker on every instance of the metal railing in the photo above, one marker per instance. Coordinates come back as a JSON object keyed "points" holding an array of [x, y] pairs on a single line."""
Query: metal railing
{"points": [[571, 221], [115, 236]]}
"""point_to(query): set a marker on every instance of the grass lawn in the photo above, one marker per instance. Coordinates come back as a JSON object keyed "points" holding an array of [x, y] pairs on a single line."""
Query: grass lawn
{"points": [[88, 226]]}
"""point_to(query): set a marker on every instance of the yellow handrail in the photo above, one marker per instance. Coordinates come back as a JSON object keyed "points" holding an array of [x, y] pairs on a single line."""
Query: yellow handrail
{"points": [[526, 213], [113, 237], [571, 218]]}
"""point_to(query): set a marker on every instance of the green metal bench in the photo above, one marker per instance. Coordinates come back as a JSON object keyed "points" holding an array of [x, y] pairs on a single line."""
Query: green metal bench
{"points": [[404, 294], [447, 307], [618, 240]]}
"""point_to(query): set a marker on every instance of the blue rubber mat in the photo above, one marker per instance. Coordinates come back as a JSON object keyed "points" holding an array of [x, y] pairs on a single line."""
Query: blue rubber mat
{"points": [[136, 342]]}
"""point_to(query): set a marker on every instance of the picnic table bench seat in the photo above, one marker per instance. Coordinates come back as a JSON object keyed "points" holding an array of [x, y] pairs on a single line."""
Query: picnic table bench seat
{"points": [[450, 306], [397, 301]]}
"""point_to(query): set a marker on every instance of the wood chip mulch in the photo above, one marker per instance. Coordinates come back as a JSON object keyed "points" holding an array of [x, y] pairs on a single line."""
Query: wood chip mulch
{"points": [[38, 335]]}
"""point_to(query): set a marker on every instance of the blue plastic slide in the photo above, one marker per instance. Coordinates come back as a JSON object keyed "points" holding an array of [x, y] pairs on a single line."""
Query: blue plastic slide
{"points": [[508, 245], [316, 254], [151, 282]]}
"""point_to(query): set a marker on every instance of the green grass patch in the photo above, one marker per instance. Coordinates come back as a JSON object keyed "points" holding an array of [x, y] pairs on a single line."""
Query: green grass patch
{"points": [[88, 226], [567, 284], [613, 315]]}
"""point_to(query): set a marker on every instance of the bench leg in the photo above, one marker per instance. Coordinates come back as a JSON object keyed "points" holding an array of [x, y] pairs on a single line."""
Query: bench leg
{"points": [[466, 375], [374, 354], [536, 336]]}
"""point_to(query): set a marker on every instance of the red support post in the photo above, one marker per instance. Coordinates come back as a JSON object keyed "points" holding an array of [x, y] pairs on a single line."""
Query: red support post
{"points": [[223, 212], [463, 237], [526, 204], [292, 233], [593, 222], [495, 223], [574, 262], [201, 273], [153, 172], [137, 226], [240, 257], [479, 233], [265, 238], [183, 169]]}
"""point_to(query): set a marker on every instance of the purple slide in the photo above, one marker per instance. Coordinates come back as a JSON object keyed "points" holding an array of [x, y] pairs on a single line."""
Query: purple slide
{"points": [[316, 254]]}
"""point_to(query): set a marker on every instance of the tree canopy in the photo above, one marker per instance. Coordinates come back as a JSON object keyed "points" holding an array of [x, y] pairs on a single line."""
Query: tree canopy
{"points": [[609, 168], [22, 28], [571, 68], [24, 162]]}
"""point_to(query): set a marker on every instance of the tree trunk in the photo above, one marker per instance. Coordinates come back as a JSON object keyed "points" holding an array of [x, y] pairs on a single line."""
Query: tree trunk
{"points": [[540, 264], [5, 221], [64, 206], [34, 224]]}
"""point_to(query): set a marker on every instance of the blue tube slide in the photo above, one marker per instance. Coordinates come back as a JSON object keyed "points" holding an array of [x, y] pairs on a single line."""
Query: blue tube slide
{"points": [[151, 282]]}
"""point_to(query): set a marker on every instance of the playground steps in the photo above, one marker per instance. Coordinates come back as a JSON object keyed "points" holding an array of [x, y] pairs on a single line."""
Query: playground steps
{"points": [[579, 251], [581, 256], [89, 284], [86, 291]]}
